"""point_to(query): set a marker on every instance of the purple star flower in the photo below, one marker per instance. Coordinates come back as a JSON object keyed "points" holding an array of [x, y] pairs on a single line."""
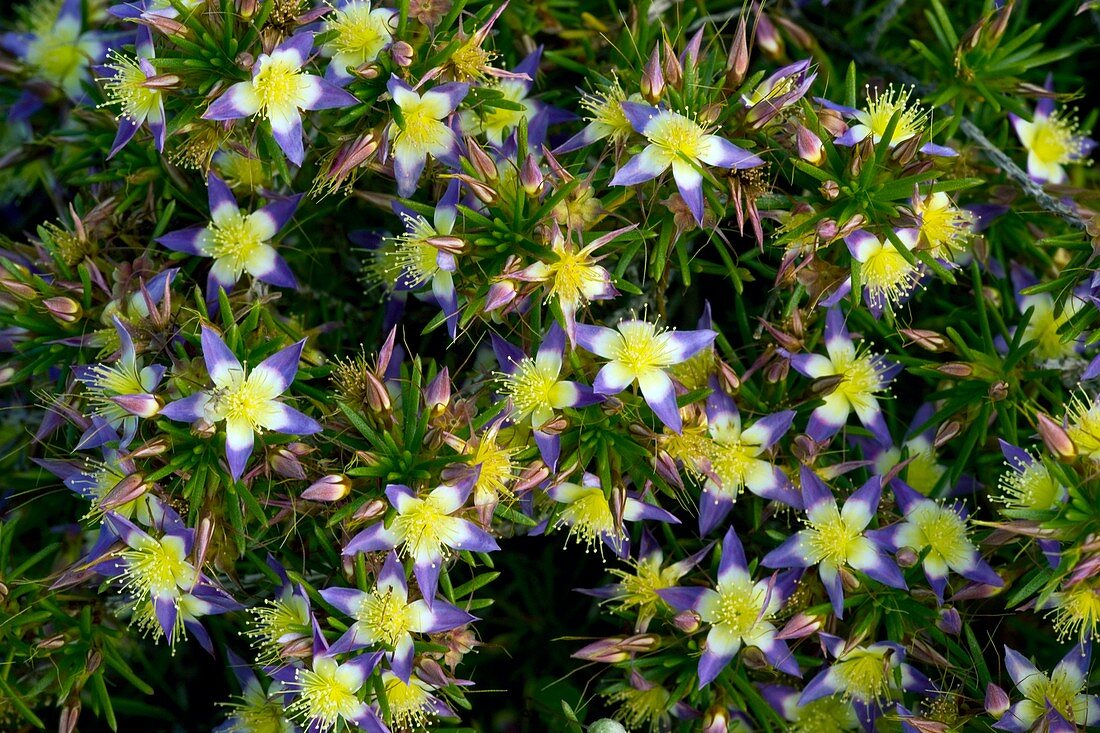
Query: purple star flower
{"points": [[534, 390], [419, 131], [865, 674], [679, 142], [941, 530], [777, 92], [734, 460], [246, 402], [862, 377], [122, 393], [237, 242], [423, 527], [738, 611], [279, 91], [835, 539], [1058, 703], [386, 616], [832, 713], [132, 84], [638, 352], [1051, 140]]}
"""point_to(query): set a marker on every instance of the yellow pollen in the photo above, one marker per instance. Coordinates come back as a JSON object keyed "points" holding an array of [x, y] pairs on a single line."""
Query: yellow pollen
{"points": [[1043, 327], [945, 227], [159, 568], [882, 108], [605, 108], [127, 88], [639, 708], [112, 380], [279, 84], [923, 472], [1055, 140], [1060, 694], [1077, 611], [529, 388], [572, 274], [861, 378], [832, 540], [731, 462], [865, 674], [410, 706], [825, 715], [642, 347], [1032, 488], [424, 527], [415, 257], [360, 32], [471, 61], [323, 696], [889, 277], [56, 53], [256, 715], [739, 608], [496, 469], [419, 130], [245, 400], [235, 240], [276, 623], [944, 531], [677, 136], [639, 589], [589, 519], [385, 616]]}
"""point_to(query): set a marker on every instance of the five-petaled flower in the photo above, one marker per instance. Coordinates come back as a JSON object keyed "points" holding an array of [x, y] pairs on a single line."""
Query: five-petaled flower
{"points": [[837, 538], [419, 131], [861, 377], [637, 351], [535, 391], [279, 91], [247, 402], [423, 527], [385, 616], [329, 694], [739, 612], [888, 276], [60, 51], [940, 529], [1052, 141], [237, 242], [133, 85], [361, 33], [1056, 703], [682, 143]]}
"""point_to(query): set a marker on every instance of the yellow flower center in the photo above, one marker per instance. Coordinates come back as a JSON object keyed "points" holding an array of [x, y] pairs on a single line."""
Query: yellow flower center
{"points": [[589, 519], [323, 695], [642, 348], [158, 568], [275, 623], [127, 88], [498, 121], [639, 708], [731, 462], [260, 715], [639, 589], [413, 254], [945, 227], [865, 674], [529, 388], [360, 33], [1084, 427], [1032, 488], [739, 608], [861, 378], [1043, 327], [385, 616], [884, 106], [409, 705], [496, 469], [278, 84], [470, 61], [57, 53], [235, 240], [888, 275], [1053, 141], [679, 137], [1059, 693], [571, 275], [244, 400], [419, 129], [923, 472], [112, 380], [606, 109], [832, 539], [1077, 611], [424, 526], [762, 93], [943, 531]]}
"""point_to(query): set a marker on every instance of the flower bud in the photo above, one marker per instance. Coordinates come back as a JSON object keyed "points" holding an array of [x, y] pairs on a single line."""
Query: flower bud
{"points": [[368, 71], [167, 26], [800, 626], [998, 390], [946, 432], [753, 658], [810, 147], [52, 643], [767, 38], [299, 648], [606, 651], [932, 341], [906, 557], [70, 715], [437, 395], [737, 64], [128, 489], [949, 622], [285, 463], [500, 294], [671, 68], [371, 510], [850, 581], [606, 725], [155, 447], [204, 533], [330, 488], [18, 289], [996, 701], [830, 190], [530, 176], [716, 720], [401, 53], [653, 80], [956, 369], [142, 405], [1056, 438], [63, 310], [480, 160]]}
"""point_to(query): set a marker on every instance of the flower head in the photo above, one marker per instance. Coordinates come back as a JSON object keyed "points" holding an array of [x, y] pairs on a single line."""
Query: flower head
{"points": [[256, 709], [59, 51], [411, 702], [362, 32], [606, 119], [1028, 485], [837, 538], [684, 145], [588, 515], [279, 91], [873, 121], [247, 402], [535, 391], [638, 352], [863, 377], [420, 132], [943, 226], [1052, 141], [832, 713], [328, 695], [942, 531], [887, 275], [121, 393], [738, 611], [1059, 700], [422, 528], [777, 92], [140, 100], [386, 617], [236, 241], [280, 625]]}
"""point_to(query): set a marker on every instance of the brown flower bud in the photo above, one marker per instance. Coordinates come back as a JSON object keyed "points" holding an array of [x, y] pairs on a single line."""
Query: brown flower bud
{"points": [[65, 311], [402, 53]]}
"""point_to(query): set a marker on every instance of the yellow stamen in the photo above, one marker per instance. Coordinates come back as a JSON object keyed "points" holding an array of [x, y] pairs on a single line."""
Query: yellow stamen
{"points": [[883, 106], [235, 240], [127, 88]]}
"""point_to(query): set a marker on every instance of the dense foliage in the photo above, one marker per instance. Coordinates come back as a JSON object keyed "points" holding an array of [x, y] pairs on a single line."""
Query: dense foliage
{"points": [[343, 340]]}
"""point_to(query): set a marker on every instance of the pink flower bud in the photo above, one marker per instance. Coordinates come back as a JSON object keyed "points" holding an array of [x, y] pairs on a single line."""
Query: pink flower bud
{"points": [[128, 489], [530, 176], [907, 557], [142, 405], [687, 621], [63, 310], [737, 65], [810, 147], [1056, 439], [949, 622], [500, 294], [371, 510], [653, 80], [800, 626], [330, 488], [285, 463], [402, 53], [767, 38], [437, 395], [996, 701]]}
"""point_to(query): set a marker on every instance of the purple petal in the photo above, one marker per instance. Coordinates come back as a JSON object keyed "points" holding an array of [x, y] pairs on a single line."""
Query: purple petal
{"points": [[444, 617], [790, 554], [127, 128], [683, 598], [725, 154], [473, 538], [713, 508], [638, 114], [279, 274], [779, 655], [549, 448], [281, 210], [279, 369], [230, 106], [189, 409], [374, 538], [508, 355], [733, 556], [660, 395], [288, 134], [686, 344], [301, 44], [347, 600], [454, 92], [184, 240], [771, 428], [285, 419], [329, 95], [820, 686], [402, 660], [238, 448], [882, 569], [710, 666], [427, 578], [814, 490], [167, 613], [219, 195], [638, 169], [220, 361]]}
